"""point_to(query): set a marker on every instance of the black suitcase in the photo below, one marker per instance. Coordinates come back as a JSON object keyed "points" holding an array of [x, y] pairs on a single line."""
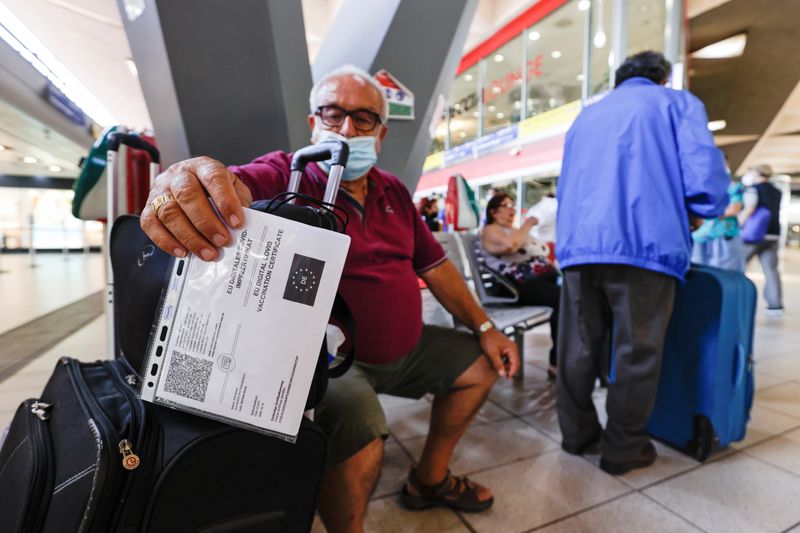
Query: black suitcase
{"points": [[90, 456]]}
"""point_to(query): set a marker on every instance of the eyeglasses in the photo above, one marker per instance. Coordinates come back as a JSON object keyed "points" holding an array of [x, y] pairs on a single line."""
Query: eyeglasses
{"points": [[508, 205], [333, 116]]}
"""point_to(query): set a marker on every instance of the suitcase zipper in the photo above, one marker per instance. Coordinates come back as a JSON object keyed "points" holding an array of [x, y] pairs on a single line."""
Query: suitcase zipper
{"points": [[140, 478], [96, 516], [130, 461], [42, 448]]}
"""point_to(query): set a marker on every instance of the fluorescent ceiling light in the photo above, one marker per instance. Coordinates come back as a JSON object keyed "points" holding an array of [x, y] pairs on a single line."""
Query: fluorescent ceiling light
{"points": [[500, 115], [716, 125], [583, 5], [730, 47], [132, 67], [534, 35], [600, 39], [579, 77], [54, 168], [29, 159], [13, 32], [468, 77], [498, 58], [556, 54]]}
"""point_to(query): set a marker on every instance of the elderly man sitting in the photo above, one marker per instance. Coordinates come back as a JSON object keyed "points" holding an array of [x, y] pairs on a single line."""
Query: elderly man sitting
{"points": [[390, 247]]}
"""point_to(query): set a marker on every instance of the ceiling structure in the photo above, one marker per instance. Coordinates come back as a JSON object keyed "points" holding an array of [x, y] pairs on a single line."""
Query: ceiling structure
{"points": [[88, 38], [756, 93]]}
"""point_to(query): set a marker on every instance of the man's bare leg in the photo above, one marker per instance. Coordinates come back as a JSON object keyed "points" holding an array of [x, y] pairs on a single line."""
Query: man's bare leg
{"points": [[450, 418], [346, 489]]}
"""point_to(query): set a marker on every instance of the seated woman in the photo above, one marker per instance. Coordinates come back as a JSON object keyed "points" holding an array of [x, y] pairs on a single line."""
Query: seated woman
{"points": [[513, 253]]}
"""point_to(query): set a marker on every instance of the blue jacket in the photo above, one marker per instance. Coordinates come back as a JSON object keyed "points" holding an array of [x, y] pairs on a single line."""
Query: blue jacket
{"points": [[636, 165]]}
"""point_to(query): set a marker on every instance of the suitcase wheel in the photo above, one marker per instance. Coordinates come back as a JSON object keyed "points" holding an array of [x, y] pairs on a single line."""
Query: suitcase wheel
{"points": [[704, 440]]}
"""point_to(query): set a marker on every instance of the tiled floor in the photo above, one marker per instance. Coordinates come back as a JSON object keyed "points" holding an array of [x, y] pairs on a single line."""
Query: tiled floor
{"points": [[513, 447]]}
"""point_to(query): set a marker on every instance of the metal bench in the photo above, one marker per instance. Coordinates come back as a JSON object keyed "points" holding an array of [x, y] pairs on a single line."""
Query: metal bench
{"points": [[496, 294]]}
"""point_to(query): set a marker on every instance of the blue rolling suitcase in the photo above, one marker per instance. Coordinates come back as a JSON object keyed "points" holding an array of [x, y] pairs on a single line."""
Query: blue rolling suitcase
{"points": [[706, 387]]}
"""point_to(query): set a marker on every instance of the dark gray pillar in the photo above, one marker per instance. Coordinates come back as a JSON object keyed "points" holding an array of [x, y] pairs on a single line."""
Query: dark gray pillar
{"points": [[225, 79], [420, 42]]}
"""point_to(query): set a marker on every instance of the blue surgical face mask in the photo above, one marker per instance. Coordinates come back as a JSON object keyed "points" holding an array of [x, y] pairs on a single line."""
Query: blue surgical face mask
{"points": [[362, 154]]}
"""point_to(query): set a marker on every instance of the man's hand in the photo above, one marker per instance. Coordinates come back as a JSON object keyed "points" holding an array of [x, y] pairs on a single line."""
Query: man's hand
{"points": [[501, 352], [185, 219]]}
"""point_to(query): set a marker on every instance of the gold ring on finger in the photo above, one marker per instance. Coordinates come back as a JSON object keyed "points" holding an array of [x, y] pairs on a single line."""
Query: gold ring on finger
{"points": [[160, 200]]}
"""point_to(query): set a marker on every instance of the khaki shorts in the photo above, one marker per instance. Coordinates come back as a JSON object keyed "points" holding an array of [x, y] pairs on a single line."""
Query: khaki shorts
{"points": [[351, 415]]}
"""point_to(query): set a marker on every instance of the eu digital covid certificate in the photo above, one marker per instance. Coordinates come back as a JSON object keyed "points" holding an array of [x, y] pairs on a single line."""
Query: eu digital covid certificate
{"points": [[238, 339]]}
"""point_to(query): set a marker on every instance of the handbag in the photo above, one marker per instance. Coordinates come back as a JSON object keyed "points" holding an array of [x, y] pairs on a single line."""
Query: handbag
{"points": [[755, 227]]}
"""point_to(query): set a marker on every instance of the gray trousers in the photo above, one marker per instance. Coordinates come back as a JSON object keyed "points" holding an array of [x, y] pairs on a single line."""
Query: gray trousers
{"points": [[767, 253], [638, 303]]}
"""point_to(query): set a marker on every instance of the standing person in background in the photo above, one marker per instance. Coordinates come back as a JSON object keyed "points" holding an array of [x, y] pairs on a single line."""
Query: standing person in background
{"points": [[637, 165], [429, 211], [760, 193], [545, 211], [718, 242]]}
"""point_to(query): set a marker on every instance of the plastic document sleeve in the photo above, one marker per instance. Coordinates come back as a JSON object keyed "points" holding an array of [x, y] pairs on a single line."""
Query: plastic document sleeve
{"points": [[237, 340]]}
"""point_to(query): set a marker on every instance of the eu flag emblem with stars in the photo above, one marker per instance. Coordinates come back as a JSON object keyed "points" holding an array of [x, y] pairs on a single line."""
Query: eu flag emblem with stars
{"points": [[304, 278]]}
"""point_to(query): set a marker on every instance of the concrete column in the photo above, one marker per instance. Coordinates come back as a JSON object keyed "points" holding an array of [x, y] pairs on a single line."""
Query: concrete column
{"points": [[224, 79]]}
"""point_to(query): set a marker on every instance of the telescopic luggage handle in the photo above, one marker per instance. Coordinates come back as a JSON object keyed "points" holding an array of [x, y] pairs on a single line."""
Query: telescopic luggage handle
{"points": [[134, 141], [112, 185], [336, 151]]}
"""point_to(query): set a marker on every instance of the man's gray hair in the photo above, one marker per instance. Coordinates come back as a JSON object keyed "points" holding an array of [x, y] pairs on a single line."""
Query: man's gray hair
{"points": [[354, 71]]}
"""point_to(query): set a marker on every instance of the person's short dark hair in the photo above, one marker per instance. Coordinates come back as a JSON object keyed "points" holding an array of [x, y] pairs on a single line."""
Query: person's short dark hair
{"points": [[425, 204], [493, 205], [651, 65]]}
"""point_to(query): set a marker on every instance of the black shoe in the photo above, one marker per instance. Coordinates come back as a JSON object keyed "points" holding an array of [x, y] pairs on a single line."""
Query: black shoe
{"points": [[645, 458], [591, 445]]}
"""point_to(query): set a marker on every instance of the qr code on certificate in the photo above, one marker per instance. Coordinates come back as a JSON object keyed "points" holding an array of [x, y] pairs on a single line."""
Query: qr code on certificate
{"points": [[188, 376]]}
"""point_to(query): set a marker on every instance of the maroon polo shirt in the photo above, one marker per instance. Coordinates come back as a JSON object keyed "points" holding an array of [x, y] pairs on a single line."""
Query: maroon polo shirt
{"points": [[390, 245]]}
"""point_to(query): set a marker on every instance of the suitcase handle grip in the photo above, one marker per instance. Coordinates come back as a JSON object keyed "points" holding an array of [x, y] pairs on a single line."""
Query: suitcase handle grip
{"points": [[336, 151], [740, 360], [134, 141]]}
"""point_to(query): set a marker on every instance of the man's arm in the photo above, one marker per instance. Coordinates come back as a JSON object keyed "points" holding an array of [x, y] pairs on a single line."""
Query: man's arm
{"points": [[750, 201], [449, 288], [497, 241], [705, 179]]}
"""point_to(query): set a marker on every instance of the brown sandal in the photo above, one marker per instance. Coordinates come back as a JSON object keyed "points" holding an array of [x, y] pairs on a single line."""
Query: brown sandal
{"points": [[456, 492]]}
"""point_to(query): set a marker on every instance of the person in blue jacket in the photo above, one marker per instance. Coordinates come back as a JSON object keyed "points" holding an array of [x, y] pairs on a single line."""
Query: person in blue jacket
{"points": [[638, 165]]}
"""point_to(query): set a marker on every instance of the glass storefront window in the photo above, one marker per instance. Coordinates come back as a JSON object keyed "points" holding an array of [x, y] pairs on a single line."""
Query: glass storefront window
{"points": [[502, 88], [464, 101], [555, 59], [43, 216], [600, 49], [439, 141], [646, 25], [534, 189]]}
